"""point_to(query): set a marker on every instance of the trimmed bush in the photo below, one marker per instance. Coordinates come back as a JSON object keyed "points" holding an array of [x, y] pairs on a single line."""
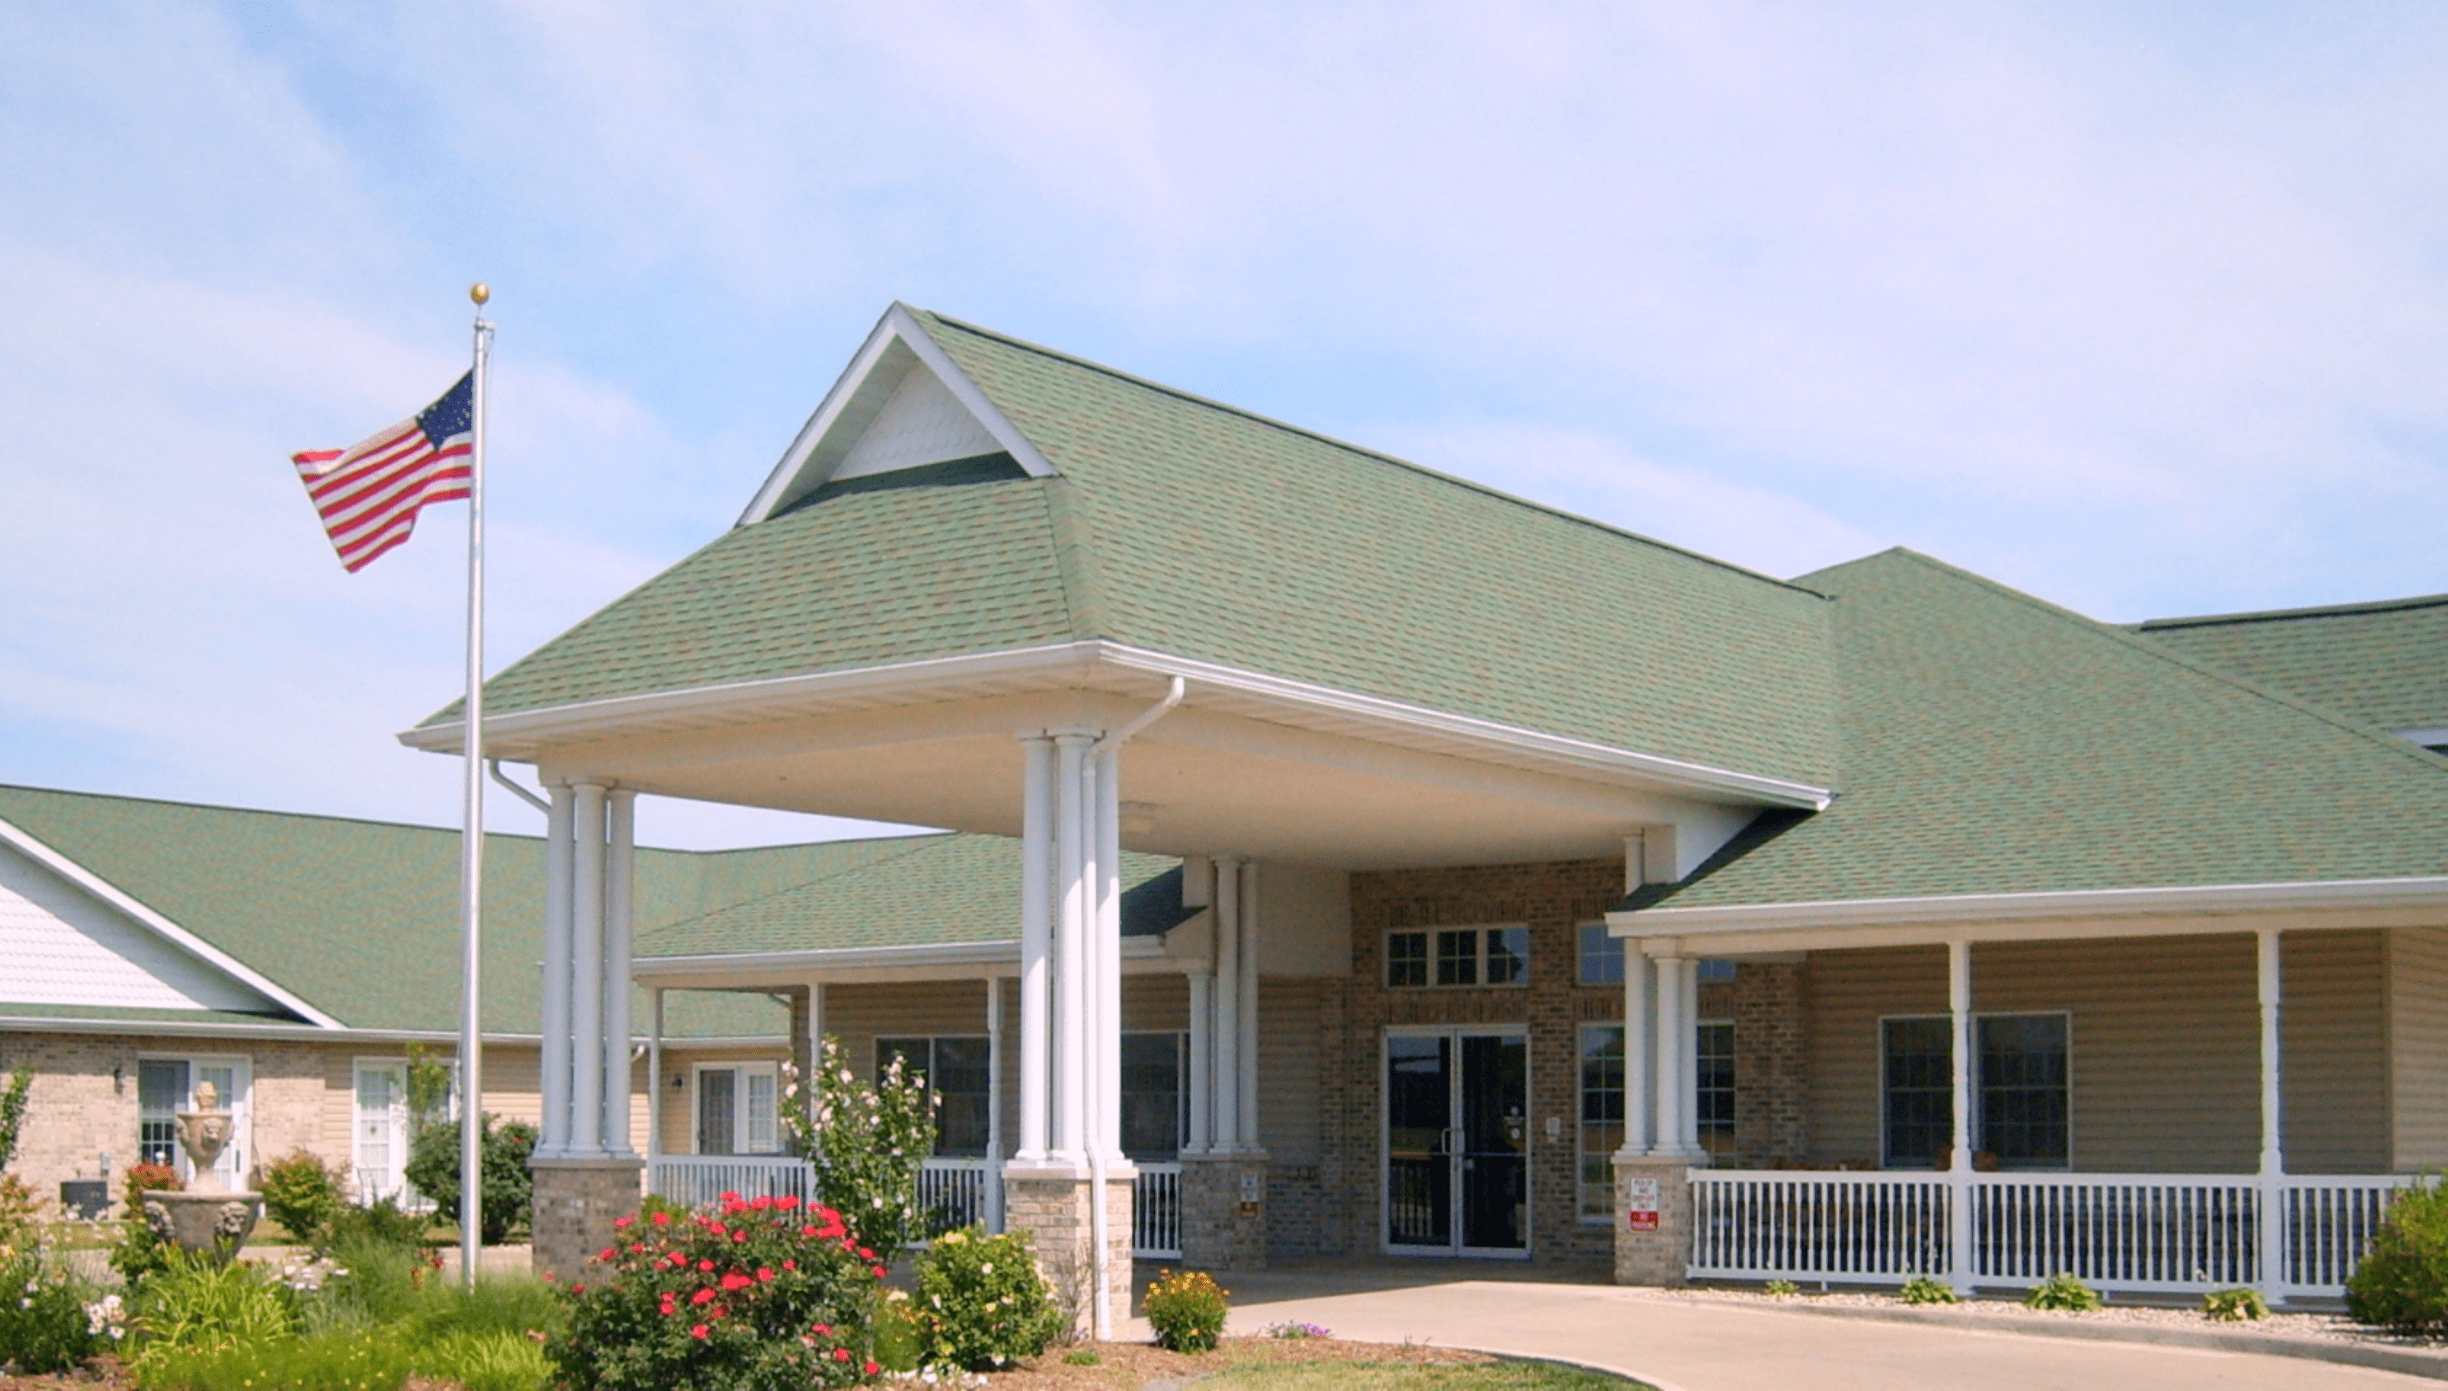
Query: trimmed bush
{"points": [[302, 1194], [1187, 1311], [1925, 1289], [981, 1302], [754, 1296], [433, 1166], [2403, 1281], [2064, 1293]]}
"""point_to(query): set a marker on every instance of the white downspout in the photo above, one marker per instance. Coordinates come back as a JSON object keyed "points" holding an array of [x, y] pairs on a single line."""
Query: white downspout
{"points": [[1099, 1224]]}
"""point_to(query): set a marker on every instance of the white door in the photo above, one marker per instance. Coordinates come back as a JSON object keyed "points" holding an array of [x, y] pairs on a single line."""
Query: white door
{"points": [[379, 1150], [230, 1078]]}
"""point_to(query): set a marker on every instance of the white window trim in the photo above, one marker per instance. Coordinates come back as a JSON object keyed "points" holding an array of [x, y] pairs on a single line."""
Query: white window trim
{"points": [[742, 1069], [1979, 1122], [1581, 958], [1483, 929], [241, 1108], [1581, 1121], [1727, 1022]]}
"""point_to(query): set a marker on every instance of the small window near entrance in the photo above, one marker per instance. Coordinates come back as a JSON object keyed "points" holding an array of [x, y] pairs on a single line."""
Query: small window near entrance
{"points": [[1464, 956], [956, 1068], [2023, 1073], [1602, 957], [1406, 960], [736, 1109], [1458, 957], [1602, 1117], [1154, 1112], [1715, 1102], [1917, 1076]]}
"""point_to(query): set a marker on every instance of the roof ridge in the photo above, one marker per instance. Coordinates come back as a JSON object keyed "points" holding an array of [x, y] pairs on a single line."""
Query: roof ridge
{"points": [[259, 811], [1362, 451], [2119, 633], [2419, 601]]}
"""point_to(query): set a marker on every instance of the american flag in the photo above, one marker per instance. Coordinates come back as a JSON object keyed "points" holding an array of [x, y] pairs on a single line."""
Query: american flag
{"points": [[369, 494]]}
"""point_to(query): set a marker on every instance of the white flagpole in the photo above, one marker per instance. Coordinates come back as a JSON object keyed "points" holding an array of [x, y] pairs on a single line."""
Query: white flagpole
{"points": [[471, 838]]}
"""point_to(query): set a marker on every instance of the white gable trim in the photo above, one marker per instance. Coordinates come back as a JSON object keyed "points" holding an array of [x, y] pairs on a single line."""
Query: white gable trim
{"points": [[799, 474], [186, 941]]}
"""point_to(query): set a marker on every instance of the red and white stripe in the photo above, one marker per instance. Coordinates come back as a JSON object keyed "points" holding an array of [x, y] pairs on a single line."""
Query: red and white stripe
{"points": [[369, 494]]}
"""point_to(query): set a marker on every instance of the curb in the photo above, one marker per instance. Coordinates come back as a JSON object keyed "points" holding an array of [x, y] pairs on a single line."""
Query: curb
{"points": [[2409, 1361]]}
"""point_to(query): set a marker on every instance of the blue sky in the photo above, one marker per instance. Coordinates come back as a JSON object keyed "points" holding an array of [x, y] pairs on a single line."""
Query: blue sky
{"points": [[2142, 308]]}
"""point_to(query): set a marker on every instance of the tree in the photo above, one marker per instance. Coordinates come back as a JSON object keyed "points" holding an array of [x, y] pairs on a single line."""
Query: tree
{"points": [[13, 1111], [433, 1166]]}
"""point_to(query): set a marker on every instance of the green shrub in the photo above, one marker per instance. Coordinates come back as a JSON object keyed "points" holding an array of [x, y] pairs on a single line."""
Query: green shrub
{"points": [[18, 1207], [45, 1322], [1924, 1289], [136, 1252], [2234, 1306], [981, 1303], [371, 1283], [653, 1203], [1081, 1357], [2064, 1293], [866, 1143], [2403, 1280], [1187, 1311], [433, 1166], [13, 1111], [752, 1296], [302, 1194], [382, 1222], [193, 1307]]}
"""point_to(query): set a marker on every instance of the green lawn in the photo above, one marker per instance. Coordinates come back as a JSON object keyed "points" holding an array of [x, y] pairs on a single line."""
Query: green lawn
{"points": [[1382, 1376]]}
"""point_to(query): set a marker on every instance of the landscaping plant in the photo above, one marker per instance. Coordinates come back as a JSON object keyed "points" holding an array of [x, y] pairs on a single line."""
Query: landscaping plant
{"points": [[2064, 1293], [49, 1320], [1187, 1311], [981, 1302], [433, 1166], [2403, 1281], [192, 1308], [1924, 1289], [302, 1194], [2234, 1306], [13, 1111], [136, 1252], [866, 1143], [752, 1296]]}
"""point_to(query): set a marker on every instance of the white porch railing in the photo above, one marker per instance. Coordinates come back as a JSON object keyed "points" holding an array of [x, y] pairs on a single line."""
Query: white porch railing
{"points": [[1156, 1213], [2173, 1233], [952, 1193], [698, 1179]]}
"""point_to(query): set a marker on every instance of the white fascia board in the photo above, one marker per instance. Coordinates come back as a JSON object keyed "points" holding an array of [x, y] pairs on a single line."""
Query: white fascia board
{"points": [[777, 697], [186, 941], [1965, 914], [298, 1033], [2429, 738], [956, 959], [897, 326]]}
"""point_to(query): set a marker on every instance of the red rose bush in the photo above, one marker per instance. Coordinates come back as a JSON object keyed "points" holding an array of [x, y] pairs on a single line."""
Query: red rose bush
{"points": [[749, 1296]]}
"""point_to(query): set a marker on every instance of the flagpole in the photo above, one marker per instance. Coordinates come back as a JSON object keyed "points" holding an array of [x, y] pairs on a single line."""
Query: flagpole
{"points": [[471, 838]]}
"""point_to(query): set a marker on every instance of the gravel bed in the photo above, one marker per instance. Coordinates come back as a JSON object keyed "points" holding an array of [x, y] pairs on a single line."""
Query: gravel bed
{"points": [[2318, 1327]]}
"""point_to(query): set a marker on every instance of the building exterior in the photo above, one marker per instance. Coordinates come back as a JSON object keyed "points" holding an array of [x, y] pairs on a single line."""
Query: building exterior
{"points": [[1546, 892]]}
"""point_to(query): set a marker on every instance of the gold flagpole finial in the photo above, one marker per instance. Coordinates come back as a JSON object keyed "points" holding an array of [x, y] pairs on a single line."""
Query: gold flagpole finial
{"points": [[480, 292]]}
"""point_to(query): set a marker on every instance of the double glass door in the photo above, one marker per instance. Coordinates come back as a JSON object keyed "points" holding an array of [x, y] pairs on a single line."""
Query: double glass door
{"points": [[1457, 1141]]}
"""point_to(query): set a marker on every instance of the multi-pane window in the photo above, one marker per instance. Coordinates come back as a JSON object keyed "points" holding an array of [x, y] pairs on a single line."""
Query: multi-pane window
{"points": [[1458, 956], [957, 1068], [161, 1090], [1714, 1105], [167, 1086], [1714, 971], [1602, 1117], [1602, 956], [1154, 1110], [737, 1109], [2022, 1061], [1917, 1075]]}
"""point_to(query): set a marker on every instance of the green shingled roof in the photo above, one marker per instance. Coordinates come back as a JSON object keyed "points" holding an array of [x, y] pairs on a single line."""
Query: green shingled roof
{"points": [[1191, 528], [2385, 664], [1997, 744], [360, 919]]}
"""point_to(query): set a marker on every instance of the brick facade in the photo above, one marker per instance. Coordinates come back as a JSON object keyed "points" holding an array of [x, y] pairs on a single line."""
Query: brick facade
{"points": [[1056, 1209], [576, 1203]]}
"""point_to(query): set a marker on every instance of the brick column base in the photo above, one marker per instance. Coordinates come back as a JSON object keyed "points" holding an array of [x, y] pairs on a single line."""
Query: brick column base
{"points": [[1661, 1256], [1054, 1206], [1223, 1204], [576, 1203]]}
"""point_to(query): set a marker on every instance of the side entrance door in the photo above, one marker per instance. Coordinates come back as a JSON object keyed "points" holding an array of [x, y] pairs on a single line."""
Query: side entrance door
{"points": [[1457, 1141]]}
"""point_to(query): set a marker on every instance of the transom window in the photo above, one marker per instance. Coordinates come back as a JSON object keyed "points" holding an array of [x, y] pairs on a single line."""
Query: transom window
{"points": [[1602, 956], [2020, 1076], [1458, 956], [958, 1069]]}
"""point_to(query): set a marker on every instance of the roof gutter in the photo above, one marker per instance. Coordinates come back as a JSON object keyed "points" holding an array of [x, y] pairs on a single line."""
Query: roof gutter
{"points": [[302, 1033], [2414, 892], [1005, 952]]}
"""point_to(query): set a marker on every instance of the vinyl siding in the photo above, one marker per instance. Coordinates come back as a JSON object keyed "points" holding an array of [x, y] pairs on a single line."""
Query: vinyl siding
{"points": [[2418, 1061], [1288, 1069], [2165, 1042]]}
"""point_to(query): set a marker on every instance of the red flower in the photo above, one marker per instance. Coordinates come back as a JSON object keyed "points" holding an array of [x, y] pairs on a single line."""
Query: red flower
{"points": [[841, 1354], [716, 1228], [764, 1272], [762, 1203], [704, 1296], [607, 1254], [807, 1231], [871, 1369], [730, 1197], [734, 1280], [705, 1265], [577, 1289], [865, 1254], [879, 1272], [722, 1311], [698, 1332], [669, 1308], [786, 1202], [622, 1224], [790, 1265], [662, 1219], [825, 1329]]}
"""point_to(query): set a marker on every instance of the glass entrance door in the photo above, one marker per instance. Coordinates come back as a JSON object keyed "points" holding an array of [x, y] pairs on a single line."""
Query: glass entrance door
{"points": [[1457, 1142]]}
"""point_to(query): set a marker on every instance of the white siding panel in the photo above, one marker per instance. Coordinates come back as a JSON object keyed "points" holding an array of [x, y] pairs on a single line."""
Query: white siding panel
{"points": [[921, 424], [63, 947]]}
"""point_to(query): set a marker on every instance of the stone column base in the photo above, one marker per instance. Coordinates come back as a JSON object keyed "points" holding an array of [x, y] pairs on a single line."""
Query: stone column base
{"points": [[1223, 1203], [1054, 1204], [576, 1203], [1653, 1221]]}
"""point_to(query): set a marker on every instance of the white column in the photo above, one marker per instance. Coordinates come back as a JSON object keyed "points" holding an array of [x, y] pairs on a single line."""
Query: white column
{"points": [[1225, 1055], [1674, 1040], [1687, 985], [2274, 1226], [586, 972], [1071, 994], [1959, 1164], [1036, 941], [1639, 1044], [1106, 813], [554, 1085], [654, 1087], [620, 892], [1247, 1090], [994, 1103], [1202, 1021]]}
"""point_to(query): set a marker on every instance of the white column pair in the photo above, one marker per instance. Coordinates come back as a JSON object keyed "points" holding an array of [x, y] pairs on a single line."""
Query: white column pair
{"points": [[1224, 1020], [1070, 951], [590, 863], [1661, 1054]]}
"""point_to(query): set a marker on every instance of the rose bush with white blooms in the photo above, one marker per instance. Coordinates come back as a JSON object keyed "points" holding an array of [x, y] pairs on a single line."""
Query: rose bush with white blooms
{"points": [[866, 1143]]}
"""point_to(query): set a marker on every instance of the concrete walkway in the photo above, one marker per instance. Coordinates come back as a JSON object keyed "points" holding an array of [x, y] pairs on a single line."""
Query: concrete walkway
{"points": [[1683, 1347]]}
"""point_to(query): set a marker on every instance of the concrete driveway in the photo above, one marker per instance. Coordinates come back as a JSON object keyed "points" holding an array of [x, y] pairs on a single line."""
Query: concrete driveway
{"points": [[1682, 1347]]}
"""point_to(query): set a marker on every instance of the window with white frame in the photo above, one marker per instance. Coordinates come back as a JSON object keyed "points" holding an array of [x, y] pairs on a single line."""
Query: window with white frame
{"points": [[1458, 956], [1602, 1117], [1714, 1103], [167, 1086], [736, 1108], [2020, 1090], [957, 1067], [1155, 1113], [1602, 956]]}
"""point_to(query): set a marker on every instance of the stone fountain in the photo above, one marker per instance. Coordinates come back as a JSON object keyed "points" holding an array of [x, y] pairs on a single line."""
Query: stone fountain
{"points": [[209, 1218]]}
